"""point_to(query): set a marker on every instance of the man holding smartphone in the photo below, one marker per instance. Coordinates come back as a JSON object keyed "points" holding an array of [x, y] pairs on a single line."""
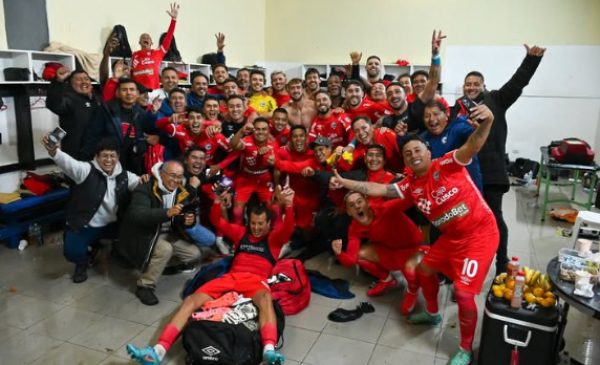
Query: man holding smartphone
{"points": [[491, 157], [98, 197]]}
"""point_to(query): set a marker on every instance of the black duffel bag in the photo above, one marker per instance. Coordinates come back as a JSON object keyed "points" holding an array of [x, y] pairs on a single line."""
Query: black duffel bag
{"points": [[16, 74], [219, 343]]}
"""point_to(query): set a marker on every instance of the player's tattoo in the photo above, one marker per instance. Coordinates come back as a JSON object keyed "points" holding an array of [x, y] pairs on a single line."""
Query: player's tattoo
{"points": [[361, 188]]}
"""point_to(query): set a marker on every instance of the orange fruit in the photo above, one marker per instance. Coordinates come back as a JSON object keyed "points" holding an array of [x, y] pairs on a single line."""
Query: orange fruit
{"points": [[549, 294], [510, 284], [529, 298], [498, 292], [538, 292], [548, 302], [508, 293]]}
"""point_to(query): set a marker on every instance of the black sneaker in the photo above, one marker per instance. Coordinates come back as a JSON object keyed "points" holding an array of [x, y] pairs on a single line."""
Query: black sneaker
{"points": [[172, 270], [146, 295], [80, 274]]}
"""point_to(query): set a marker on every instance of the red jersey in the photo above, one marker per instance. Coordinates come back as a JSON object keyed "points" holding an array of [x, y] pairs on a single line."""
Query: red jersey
{"points": [[186, 139], [447, 196], [367, 108], [281, 138], [336, 127], [247, 113], [254, 263], [390, 229], [303, 186], [145, 64], [281, 99], [389, 141], [214, 90], [251, 162]]}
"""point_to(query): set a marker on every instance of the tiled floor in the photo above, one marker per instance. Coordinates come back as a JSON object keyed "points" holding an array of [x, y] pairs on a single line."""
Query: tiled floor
{"points": [[46, 319]]}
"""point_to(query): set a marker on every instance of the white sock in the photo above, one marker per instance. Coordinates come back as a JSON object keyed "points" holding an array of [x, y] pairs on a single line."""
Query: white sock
{"points": [[160, 351], [268, 347]]}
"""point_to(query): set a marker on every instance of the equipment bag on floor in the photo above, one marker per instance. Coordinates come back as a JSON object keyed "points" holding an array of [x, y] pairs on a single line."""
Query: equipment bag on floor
{"points": [[292, 287], [219, 343]]}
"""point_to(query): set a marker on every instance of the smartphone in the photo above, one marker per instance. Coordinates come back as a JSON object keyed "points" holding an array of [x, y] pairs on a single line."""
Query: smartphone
{"points": [[468, 104], [56, 136]]}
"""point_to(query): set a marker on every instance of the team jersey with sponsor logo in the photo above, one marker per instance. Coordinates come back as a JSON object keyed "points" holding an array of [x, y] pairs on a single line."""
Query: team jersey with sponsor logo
{"points": [[447, 196], [336, 127]]}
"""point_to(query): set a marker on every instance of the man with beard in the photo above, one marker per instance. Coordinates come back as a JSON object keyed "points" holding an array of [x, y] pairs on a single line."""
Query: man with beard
{"points": [[169, 81], [256, 155], [280, 127], [243, 78], [336, 127], [278, 92], [312, 83], [386, 251], [357, 105], [198, 91], [334, 88], [145, 63], [306, 200], [491, 157], [260, 100], [220, 73], [398, 119], [366, 135], [374, 68], [301, 110]]}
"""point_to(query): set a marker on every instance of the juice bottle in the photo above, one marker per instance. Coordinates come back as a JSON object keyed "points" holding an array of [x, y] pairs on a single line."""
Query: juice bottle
{"points": [[513, 267], [515, 301]]}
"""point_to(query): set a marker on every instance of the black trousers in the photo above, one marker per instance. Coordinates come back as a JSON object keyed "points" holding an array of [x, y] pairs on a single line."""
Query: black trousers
{"points": [[493, 196]]}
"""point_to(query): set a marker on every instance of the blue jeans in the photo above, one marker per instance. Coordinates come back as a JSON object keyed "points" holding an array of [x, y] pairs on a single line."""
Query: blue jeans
{"points": [[76, 243], [200, 235]]}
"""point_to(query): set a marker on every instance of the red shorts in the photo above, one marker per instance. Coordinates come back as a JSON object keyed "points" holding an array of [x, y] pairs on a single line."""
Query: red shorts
{"points": [[305, 209], [245, 283], [246, 184], [395, 259], [467, 259]]}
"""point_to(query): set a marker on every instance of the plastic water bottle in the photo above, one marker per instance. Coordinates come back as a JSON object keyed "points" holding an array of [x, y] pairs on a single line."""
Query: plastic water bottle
{"points": [[515, 301], [513, 267], [35, 234]]}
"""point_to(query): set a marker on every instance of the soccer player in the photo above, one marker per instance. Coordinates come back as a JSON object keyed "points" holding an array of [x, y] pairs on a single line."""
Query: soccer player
{"points": [[278, 91], [327, 123], [301, 110], [280, 127], [444, 192], [395, 242], [145, 63], [257, 248]]}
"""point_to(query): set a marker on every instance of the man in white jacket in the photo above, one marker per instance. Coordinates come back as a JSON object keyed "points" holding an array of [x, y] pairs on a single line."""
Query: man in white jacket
{"points": [[101, 190]]}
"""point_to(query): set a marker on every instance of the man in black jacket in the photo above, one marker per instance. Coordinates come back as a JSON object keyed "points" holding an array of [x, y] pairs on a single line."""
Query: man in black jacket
{"points": [[151, 233], [491, 157], [124, 120], [71, 97]]}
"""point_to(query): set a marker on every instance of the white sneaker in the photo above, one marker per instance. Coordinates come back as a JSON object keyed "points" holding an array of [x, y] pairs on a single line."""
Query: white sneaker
{"points": [[222, 246]]}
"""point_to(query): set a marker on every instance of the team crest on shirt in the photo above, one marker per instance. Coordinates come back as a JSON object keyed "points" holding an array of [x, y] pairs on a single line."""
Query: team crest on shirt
{"points": [[436, 175], [424, 206], [208, 147], [333, 125], [444, 139]]}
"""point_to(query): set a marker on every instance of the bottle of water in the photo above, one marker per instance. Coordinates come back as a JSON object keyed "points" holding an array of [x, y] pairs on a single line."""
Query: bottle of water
{"points": [[35, 234]]}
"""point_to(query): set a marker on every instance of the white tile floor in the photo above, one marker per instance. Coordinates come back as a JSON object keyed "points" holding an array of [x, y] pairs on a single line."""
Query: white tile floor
{"points": [[46, 319]]}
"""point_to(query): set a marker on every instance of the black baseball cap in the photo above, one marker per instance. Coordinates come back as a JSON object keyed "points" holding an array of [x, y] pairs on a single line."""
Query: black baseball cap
{"points": [[321, 141]]}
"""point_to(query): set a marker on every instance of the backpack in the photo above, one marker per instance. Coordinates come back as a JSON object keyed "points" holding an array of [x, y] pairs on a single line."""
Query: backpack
{"points": [[207, 273], [219, 343], [292, 295], [572, 151], [522, 166]]}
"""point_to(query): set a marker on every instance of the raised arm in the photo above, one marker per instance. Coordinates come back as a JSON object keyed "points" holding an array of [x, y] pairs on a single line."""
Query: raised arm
{"points": [[512, 89], [434, 70], [220, 37], [367, 188], [173, 12], [482, 117]]}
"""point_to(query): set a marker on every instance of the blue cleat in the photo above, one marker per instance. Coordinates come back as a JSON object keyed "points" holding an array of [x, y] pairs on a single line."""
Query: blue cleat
{"points": [[461, 358], [272, 357], [425, 318], [144, 356]]}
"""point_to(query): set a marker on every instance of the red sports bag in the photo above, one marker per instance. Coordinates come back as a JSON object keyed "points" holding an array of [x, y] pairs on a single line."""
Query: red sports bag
{"points": [[292, 295], [573, 151]]}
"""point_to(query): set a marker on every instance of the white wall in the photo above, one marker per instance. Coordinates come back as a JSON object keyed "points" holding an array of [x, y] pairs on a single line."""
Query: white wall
{"points": [[85, 24], [3, 43], [562, 100]]}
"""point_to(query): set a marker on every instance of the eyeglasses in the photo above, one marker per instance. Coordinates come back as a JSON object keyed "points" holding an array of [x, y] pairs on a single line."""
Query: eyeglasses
{"points": [[173, 176]]}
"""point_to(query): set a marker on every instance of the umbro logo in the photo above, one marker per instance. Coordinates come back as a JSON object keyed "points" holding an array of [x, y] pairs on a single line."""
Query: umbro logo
{"points": [[211, 351]]}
